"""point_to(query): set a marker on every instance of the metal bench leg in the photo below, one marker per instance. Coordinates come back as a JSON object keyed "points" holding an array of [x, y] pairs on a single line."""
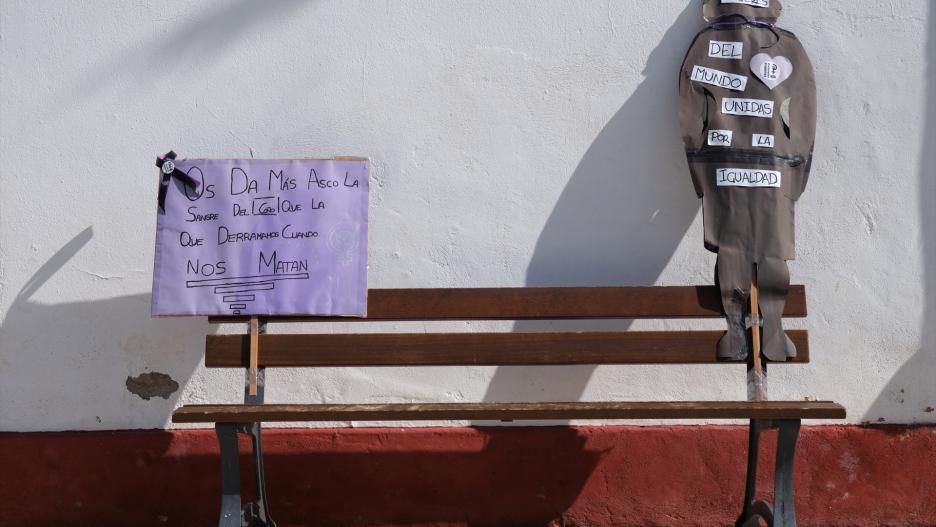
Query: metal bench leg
{"points": [[230, 476], [753, 507], [257, 514], [784, 509], [783, 512], [253, 514]]}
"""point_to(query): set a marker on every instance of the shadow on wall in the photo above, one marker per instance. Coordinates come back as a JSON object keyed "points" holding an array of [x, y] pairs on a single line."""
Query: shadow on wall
{"points": [[910, 396], [189, 43], [622, 214], [67, 365], [78, 356]]}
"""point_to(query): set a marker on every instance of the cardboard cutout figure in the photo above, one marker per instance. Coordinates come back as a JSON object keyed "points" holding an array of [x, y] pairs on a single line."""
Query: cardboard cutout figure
{"points": [[748, 120]]}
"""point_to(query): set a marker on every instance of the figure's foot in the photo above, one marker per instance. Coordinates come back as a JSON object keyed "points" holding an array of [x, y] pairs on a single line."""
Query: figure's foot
{"points": [[790, 347], [734, 344], [777, 345]]}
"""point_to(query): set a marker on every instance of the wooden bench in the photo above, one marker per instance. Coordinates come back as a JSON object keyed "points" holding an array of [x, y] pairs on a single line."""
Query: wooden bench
{"points": [[505, 348]]}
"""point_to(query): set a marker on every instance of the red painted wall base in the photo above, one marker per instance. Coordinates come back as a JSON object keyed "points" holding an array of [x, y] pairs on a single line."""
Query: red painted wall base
{"points": [[596, 476]]}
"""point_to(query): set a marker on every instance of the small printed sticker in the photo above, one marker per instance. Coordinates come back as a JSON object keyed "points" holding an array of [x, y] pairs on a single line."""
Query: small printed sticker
{"points": [[720, 137], [725, 50], [763, 141], [748, 107], [719, 78], [168, 167], [747, 177], [772, 71], [754, 3]]}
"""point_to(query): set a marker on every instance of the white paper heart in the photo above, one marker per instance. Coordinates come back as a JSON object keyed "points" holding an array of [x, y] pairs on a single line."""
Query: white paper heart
{"points": [[771, 70]]}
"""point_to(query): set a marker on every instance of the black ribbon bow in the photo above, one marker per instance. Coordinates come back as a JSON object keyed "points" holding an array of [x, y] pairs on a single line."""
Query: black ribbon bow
{"points": [[166, 164]]}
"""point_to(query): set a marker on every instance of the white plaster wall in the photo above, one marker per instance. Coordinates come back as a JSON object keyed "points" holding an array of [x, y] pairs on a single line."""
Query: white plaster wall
{"points": [[513, 143]]}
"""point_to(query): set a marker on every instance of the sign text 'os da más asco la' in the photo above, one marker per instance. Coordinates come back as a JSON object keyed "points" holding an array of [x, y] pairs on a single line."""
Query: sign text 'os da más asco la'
{"points": [[261, 237]]}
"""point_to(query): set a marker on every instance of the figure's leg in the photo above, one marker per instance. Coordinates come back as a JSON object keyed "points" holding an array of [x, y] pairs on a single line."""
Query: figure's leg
{"points": [[773, 280], [733, 277]]}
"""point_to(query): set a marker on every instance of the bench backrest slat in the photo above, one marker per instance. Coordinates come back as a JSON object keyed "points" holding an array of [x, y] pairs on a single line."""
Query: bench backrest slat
{"points": [[490, 349], [552, 303]]}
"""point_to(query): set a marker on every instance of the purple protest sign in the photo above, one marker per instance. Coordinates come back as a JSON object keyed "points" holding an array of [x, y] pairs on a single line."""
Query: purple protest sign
{"points": [[262, 237]]}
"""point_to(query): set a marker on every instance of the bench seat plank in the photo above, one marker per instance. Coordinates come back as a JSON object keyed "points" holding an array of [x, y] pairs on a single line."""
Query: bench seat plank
{"points": [[544, 303], [478, 349], [242, 413]]}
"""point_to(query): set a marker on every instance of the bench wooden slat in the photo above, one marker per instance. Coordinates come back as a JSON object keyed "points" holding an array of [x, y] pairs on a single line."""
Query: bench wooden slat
{"points": [[553, 303], [237, 413], [480, 349]]}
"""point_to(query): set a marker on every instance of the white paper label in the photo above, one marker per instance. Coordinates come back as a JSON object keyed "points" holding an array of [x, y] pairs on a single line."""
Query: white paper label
{"points": [[748, 107], [755, 3], [719, 78], [719, 137], [725, 50], [763, 141], [747, 177], [770, 71]]}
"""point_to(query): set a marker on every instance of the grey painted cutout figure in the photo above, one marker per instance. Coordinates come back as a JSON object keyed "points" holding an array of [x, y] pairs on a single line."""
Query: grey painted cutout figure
{"points": [[748, 118]]}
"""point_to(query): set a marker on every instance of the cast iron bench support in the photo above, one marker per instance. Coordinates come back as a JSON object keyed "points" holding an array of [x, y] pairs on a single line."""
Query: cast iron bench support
{"points": [[783, 512], [233, 512]]}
